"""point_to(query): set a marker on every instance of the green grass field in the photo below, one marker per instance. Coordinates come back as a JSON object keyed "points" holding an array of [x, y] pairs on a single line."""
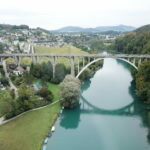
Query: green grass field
{"points": [[28, 131], [67, 49], [55, 89]]}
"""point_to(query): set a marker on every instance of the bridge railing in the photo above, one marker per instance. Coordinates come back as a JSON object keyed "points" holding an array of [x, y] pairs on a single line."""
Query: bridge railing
{"points": [[77, 55]]}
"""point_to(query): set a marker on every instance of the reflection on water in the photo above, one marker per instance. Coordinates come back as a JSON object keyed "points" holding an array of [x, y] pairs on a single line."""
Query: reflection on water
{"points": [[109, 116], [74, 120]]}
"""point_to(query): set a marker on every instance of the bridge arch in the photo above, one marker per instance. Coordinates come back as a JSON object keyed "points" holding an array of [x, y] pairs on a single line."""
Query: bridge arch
{"points": [[132, 64], [98, 59], [94, 109]]}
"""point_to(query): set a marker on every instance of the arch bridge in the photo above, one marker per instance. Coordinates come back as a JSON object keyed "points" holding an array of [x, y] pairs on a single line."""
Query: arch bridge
{"points": [[82, 61], [88, 108]]}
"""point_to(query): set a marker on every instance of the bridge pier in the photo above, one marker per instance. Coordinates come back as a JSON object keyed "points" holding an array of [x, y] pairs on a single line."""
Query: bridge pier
{"points": [[34, 59], [53, 61], [1, 60], [139, 62], [18, 60], [72, 66], [37, 59], [134, 61], [15, 59], [83, 62], [88, 60], [78, 64]]}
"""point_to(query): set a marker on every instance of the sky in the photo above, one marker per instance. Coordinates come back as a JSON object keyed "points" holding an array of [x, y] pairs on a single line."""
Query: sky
{"points": [[54, 14]]}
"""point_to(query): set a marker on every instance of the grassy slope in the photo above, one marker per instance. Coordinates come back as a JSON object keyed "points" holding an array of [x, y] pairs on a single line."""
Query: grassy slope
{"points": [[67, 49], [2, 94], [28, 131]]}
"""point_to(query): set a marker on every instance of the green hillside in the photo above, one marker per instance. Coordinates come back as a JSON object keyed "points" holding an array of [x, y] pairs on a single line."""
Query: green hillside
{"points": [[143, 29], [67, 49]]}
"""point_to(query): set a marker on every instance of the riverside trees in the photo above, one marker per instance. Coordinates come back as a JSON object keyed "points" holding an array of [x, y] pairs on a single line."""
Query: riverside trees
{"points": [[143, 82], [69, 92]]}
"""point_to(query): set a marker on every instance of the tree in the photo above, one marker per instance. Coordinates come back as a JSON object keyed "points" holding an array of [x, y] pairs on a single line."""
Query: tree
{"points": [[26, 98], [60, 72], [133, 43], [5, 103], [143, 81], [25, 92], [36, 70], [97, 44], [2, 46], [69, 92], [45, 94], [42, 71], [87, 74], [47, 71], [4, 81], [27, 78]]}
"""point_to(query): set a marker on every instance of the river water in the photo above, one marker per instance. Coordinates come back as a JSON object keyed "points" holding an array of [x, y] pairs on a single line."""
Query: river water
{"points": [[109, 116]]}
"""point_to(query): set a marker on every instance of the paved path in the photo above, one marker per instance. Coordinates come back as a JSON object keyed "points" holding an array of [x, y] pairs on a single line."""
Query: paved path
{"points": [[12, 86], [3, 121]]}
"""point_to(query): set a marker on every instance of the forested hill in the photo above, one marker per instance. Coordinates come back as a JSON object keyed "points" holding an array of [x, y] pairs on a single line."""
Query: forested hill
{"points": [[72, 29], [137, 42], [11, 27], [143, 29]]}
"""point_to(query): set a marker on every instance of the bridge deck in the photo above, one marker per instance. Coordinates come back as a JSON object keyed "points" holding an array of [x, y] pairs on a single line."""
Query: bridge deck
{"points": [[77, 55]]}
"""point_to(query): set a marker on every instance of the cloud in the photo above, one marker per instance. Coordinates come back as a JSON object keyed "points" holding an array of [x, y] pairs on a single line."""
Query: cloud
{"points": [[87, 13]]}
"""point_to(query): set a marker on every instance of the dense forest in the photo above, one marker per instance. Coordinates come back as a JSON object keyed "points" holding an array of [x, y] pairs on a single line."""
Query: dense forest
{"points": [[133, 43], [138, 42], [142, 81]]}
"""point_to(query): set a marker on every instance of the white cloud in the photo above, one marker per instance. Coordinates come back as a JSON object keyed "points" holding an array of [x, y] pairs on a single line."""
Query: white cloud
{"points": [[57, 13]]}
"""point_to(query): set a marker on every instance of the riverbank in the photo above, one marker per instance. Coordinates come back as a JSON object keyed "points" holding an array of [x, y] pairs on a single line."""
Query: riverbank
{"points": [[29, 130]]}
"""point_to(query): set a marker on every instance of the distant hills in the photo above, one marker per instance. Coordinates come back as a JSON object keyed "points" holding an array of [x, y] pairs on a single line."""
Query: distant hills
{"points": [[75, 29], [12, 27], [119, 28], [143, 29]]}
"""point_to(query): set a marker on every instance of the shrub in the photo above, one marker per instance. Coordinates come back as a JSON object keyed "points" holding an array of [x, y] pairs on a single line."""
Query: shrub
{"points": [[70, 92]]}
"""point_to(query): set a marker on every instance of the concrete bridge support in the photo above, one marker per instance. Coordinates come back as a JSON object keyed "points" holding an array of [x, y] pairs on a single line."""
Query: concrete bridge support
{"points": [[78, 64], [72, 66], [15, 59], [134, 61], [1, 60], [88, 60], [37, 59], [83, 62], [53, 61], [139, 62], [34, 61], [18, 60]]}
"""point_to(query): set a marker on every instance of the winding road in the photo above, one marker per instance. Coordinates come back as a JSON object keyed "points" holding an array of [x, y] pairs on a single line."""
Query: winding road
{"points": [[12, 86]]}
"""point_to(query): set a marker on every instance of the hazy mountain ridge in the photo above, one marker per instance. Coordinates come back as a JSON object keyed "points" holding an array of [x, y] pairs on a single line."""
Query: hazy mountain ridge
{"points": [[122, 28]]}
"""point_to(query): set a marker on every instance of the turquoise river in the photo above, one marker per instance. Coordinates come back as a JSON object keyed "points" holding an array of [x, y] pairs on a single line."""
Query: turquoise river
{"points": [[109, 116]]}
